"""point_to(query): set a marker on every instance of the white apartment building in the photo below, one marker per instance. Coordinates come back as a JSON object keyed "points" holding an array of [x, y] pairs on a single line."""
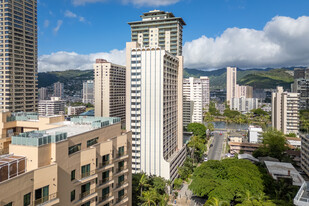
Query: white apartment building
{"points": [[195, 99], [88, 92], [109, 90], [285, 111], [231, 79], [255, 134], [233, 90], [154, 110], [52, 107], [244, 105]]}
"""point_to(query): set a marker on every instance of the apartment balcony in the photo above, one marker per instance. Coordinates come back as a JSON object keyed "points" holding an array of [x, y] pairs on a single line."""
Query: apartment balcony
{"points": [[88, 195], [105, 199], [121, 184], [121, 170], [105, 182], [121, 200], [105, 165], [87, 176], [121, 156], [50, 200]]}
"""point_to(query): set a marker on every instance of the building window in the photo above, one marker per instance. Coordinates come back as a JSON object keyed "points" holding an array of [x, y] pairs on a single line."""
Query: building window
{"points": [[92, 141], [85, 189], [121, 193], [105, 176], [105, 159], [72, 195], [27, 199], [86, 170], [120, 151], [42, 195], [9, 204], [72, 175], [74, 148], [105, 192]]}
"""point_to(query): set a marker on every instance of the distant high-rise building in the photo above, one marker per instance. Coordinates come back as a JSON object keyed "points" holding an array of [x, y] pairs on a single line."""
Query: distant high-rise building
{"points": [[19, 72], [231, 85], [58, 89], [154, 110], [159, 29], [244, 105], [301, 86], [285, 111], [55, 106], [244, 91], [195, 99], [42, 93], [110, 90], [88, 92]]}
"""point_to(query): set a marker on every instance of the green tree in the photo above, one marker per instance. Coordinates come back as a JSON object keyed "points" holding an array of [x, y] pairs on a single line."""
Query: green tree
{"points": [[197, 147], [216, 202], [143, 182], [213, 110], [136, 188], [226, 179], [208, 117], [149, 198], [259, 112], [163, 200], [177, 183], [187, 169], [198, 129], [159, 184], [274, 144]]}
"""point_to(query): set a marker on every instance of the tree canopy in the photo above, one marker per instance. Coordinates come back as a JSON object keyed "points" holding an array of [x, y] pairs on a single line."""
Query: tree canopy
{"points": [[274, 144], [226, 179], [198, 129]]}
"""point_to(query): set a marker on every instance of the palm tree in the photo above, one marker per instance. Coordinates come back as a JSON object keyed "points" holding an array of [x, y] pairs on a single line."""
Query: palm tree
{"points": [[143, 182], [216, 202], [164, 200], [149, 198]]}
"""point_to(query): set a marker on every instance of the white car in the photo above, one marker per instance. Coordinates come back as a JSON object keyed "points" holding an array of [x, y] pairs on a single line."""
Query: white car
{"points": [[206, 159]]}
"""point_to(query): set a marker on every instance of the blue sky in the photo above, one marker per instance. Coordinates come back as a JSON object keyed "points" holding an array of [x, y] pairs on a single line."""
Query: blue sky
{"points": [[77, 27]]}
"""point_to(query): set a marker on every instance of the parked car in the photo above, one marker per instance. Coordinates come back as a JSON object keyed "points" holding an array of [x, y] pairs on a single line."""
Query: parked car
{"points": [[205, 159], [211, 145]]}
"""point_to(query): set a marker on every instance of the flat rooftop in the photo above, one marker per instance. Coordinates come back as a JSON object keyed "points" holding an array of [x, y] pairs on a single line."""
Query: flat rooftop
{"points": [[65, 129], [284, 170]]}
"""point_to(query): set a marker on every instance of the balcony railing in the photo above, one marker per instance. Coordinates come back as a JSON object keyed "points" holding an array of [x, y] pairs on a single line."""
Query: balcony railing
{"points": [[45, 199], [87, 174], [103, 198], [103, 164], [120, 169], [105, 180], [85, 194], [121, 154], [119, 184], [119, 199]]}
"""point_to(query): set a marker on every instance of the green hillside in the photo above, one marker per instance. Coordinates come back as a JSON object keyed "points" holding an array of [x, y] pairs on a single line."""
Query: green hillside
{"points": [[258, 78]]}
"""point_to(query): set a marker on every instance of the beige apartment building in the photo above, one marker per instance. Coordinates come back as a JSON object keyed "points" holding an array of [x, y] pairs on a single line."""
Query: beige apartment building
{"points": [[85, 161], [109, 90], [54, 106], [231, 83], [159, 29], [18, 78], [285, 111]]}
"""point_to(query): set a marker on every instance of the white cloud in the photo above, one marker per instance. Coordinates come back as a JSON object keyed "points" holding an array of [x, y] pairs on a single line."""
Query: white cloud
{"points": [[46, 23], [135, 2], [70, 14], [284, 41], [62, 60], [56, 29]]}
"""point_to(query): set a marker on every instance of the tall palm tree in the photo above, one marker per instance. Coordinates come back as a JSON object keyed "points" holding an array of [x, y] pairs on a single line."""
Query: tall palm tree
{"points": [[149, 198], [164, 200], [216, 202], [143, 182]]}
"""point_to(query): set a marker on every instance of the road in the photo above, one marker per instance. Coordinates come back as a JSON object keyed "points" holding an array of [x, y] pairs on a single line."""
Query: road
{"points": [[216, 150]]}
